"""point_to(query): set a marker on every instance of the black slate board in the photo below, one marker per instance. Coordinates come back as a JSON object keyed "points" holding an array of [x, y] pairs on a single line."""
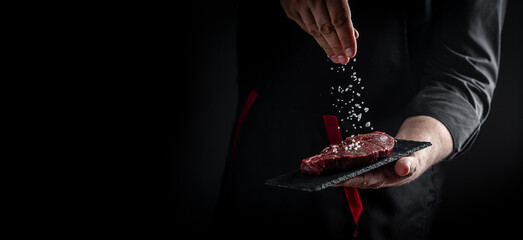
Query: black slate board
{"points": [[306, 182]]}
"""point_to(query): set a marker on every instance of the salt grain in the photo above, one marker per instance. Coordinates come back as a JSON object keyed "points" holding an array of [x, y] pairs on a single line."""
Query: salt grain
{"points": [[347, 94]]}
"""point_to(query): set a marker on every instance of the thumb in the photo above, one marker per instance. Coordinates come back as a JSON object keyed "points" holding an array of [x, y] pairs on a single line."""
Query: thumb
{"points": [[404, 166]]}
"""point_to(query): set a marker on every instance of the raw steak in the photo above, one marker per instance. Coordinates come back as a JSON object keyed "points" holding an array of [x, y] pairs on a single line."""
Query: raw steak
{"points": [[352, 152]]}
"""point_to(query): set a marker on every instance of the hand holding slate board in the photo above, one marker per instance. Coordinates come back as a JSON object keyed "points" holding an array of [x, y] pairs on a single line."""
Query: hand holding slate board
{"points": [[306, 182]]}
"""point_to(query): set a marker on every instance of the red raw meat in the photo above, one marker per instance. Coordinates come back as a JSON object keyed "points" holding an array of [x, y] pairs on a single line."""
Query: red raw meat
{"points": [[352, 152]]}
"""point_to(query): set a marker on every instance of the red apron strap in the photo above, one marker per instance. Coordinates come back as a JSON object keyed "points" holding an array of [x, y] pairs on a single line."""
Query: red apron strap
{"points": [[246, 106], [353, 198], [351, 194], [333, 131]]}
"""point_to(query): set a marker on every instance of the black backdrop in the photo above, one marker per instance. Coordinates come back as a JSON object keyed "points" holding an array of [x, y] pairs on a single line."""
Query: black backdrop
{"points": [[483, 188]]}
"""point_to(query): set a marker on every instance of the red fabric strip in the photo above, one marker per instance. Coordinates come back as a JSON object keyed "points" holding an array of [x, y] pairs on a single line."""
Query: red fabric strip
{"points": [[331, 126], [246, 106], [353, 198], [351, 194]]}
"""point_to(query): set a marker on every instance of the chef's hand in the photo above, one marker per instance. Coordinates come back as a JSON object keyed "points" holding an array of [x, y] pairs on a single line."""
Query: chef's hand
{"points": [[329, 22], [406, 169]]}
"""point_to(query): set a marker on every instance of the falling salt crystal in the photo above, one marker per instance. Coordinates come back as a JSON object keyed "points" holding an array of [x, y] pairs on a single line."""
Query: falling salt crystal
{"points": [[366, 109], [332, 68], [367, 124], [358, 94], [354, 59]]}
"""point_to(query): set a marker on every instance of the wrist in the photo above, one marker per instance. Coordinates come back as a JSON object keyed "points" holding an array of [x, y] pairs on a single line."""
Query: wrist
{"points": [[426, 128]]}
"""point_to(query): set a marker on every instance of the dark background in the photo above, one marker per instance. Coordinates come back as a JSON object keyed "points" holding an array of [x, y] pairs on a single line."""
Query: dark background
{"points": [[483, 188]]}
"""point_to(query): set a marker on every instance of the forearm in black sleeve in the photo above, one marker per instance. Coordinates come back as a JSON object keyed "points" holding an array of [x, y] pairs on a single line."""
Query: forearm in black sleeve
{"points": [[461, 68]]}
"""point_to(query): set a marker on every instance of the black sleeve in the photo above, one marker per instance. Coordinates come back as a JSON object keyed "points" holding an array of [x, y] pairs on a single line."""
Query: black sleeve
{"points": [[461, 68]]}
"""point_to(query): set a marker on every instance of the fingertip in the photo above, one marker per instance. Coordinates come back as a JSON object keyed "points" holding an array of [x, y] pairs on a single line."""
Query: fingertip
{"points": [[349, 52], [343, 59], [355, 46], [354, 50], [402, 167], [334, 58]]}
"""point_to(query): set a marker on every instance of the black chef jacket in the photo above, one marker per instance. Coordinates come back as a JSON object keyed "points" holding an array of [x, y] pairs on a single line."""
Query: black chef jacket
{"points": [[434, 58]]}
